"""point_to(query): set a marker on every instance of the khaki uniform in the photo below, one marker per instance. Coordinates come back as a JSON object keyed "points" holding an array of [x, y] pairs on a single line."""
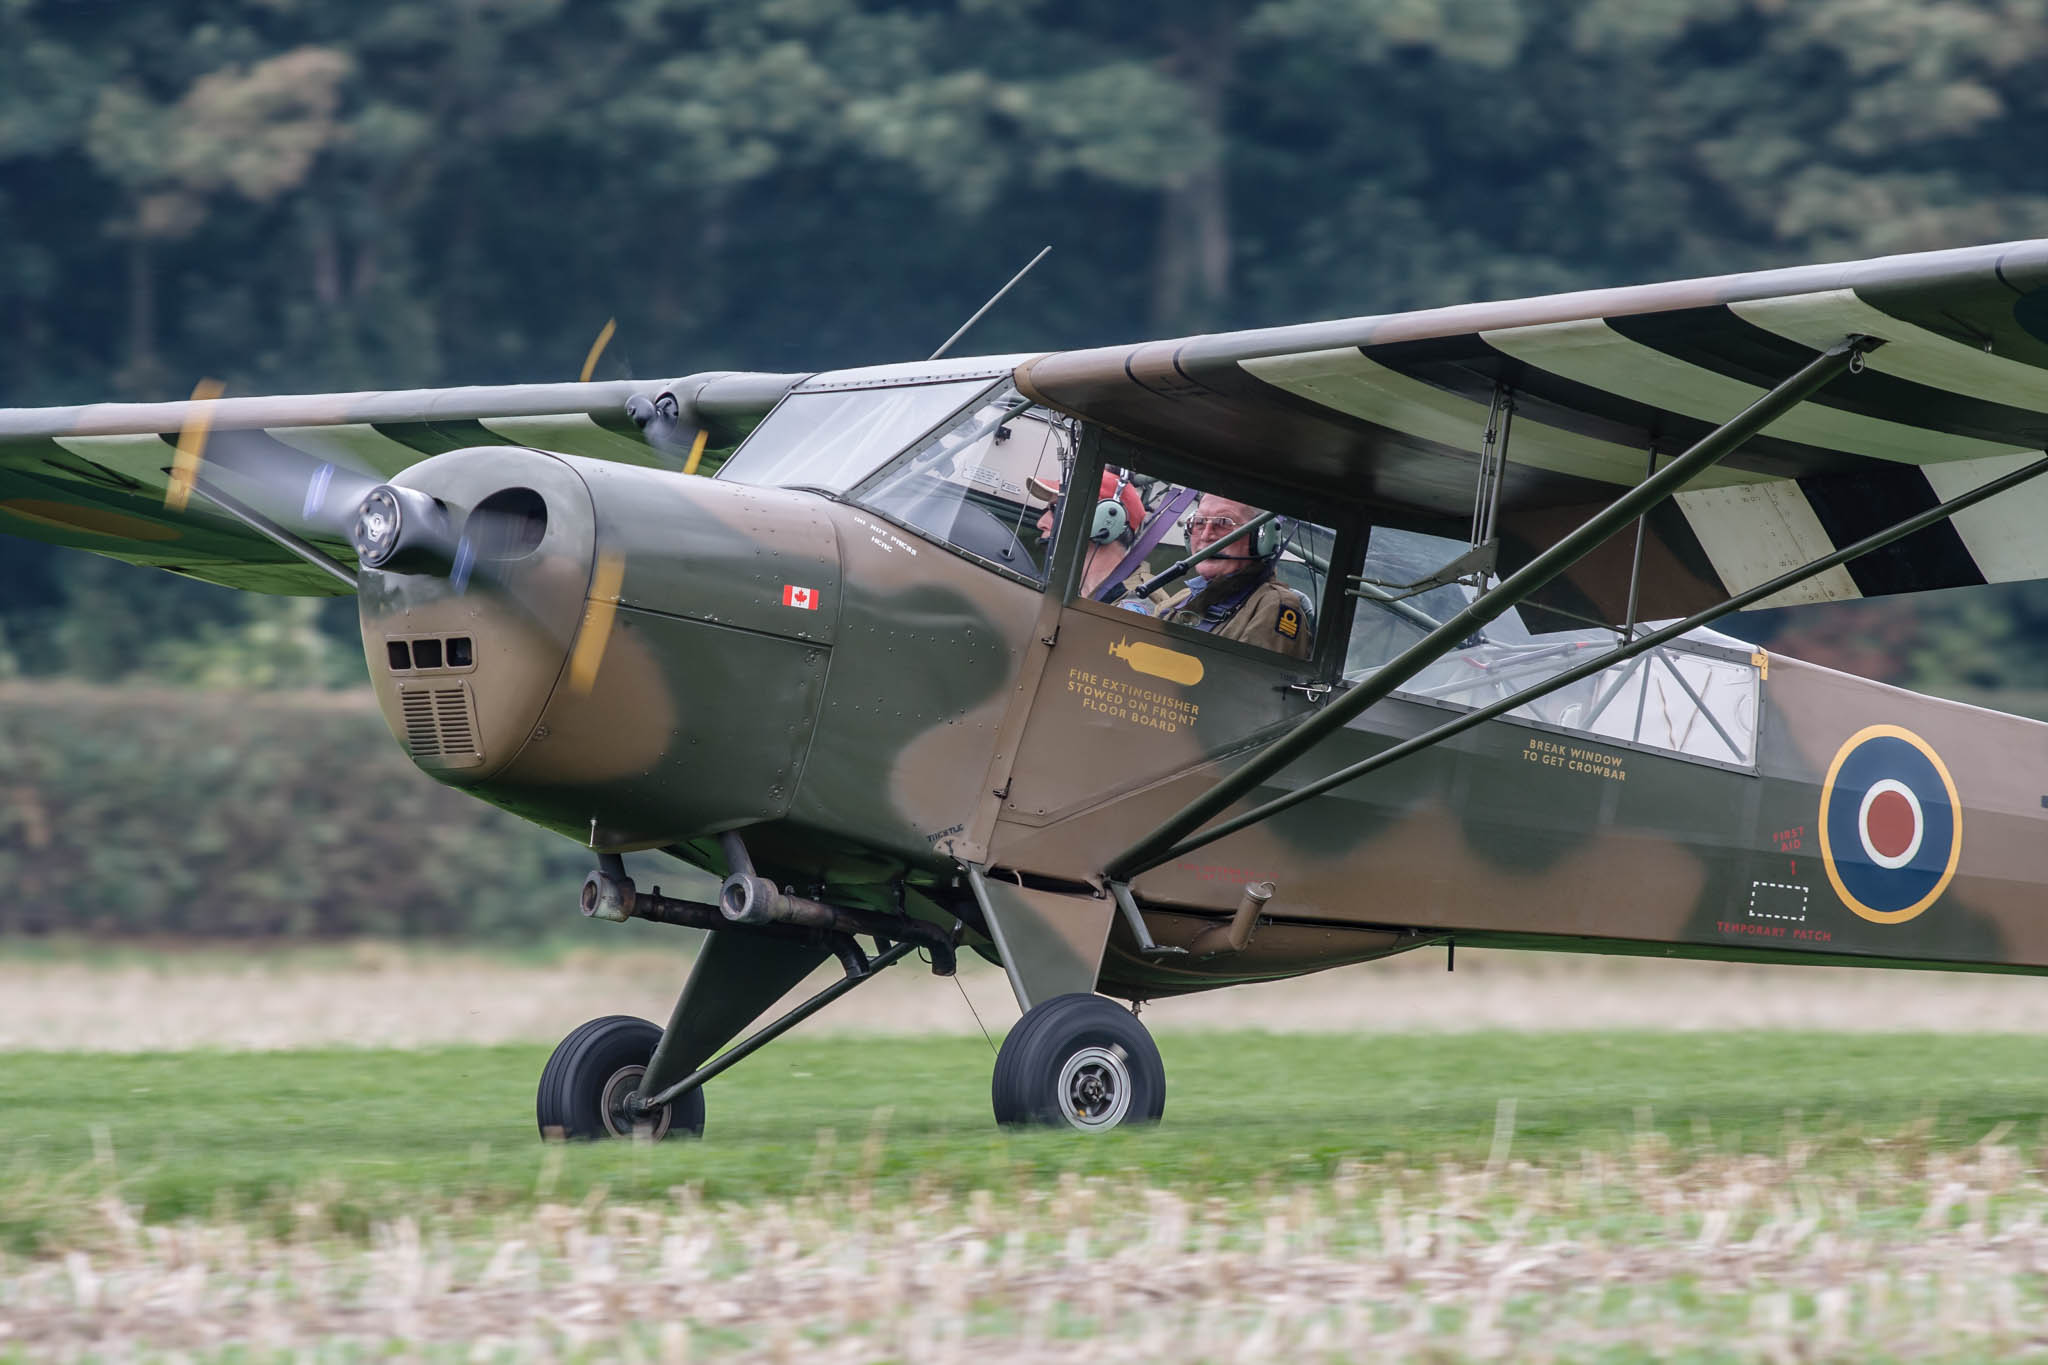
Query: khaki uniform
{"points": [[1252, 606]]}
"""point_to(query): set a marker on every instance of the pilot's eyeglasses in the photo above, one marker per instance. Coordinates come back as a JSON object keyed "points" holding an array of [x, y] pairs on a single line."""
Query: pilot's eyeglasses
{"points": [[1212, 525]]}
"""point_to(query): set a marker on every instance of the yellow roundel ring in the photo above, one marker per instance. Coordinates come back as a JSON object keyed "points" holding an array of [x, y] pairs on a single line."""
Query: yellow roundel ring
{"points": [[1884, 885]]}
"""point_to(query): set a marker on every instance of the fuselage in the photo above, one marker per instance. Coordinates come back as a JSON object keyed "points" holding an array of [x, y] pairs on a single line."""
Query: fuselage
{"points": [[876, 703]]}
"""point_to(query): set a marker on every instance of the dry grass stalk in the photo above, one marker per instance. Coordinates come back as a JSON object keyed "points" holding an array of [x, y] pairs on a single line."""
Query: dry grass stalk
{"points": [[1909, 1253]]}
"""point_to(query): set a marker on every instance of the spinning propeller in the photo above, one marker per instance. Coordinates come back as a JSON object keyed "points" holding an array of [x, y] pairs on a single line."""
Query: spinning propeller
{"points": [[299, 500]]}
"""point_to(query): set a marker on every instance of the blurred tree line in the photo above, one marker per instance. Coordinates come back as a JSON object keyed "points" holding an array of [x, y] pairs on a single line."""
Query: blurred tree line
{"points": [[316, 195], [286, 814]]}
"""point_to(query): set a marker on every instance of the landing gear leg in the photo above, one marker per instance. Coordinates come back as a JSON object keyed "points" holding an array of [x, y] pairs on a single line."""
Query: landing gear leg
{"points": [[592, 1085], [1078, 1061], [618, 1076]]}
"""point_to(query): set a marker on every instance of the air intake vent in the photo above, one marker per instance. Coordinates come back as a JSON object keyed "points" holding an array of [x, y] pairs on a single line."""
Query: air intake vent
{"points": [[440, 724]]}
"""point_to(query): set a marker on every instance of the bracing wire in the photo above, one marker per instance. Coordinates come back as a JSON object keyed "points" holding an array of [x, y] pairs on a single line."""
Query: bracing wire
{"points": [[975, 1012]]}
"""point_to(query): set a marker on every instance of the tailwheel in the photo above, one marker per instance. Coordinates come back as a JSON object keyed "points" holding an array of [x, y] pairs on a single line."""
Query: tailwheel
{"points": [[586, 1083], [1078, 1061]]}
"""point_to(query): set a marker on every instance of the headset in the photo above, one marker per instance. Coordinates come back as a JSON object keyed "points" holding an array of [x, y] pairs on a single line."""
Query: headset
{"points": [[1112, 520], [1264, 543]]}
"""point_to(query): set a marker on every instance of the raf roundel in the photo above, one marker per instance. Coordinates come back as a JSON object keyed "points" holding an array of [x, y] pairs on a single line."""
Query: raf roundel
{"points": [[1891, 825]]}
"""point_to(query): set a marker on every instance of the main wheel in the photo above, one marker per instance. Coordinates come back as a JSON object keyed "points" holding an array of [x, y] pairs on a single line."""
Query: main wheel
{"points": [[1078, 1061], [584, 1086]]}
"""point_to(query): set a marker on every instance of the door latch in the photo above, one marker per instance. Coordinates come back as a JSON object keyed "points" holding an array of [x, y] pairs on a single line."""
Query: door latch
{"points": [[1314, 691]]}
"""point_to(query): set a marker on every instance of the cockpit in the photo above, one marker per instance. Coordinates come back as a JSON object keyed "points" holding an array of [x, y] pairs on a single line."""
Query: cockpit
{"points": [[955, 460], [975, 465]]}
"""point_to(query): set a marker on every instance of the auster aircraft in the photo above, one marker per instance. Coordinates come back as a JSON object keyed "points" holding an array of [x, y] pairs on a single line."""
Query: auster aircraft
{"points": [[905, 694]]}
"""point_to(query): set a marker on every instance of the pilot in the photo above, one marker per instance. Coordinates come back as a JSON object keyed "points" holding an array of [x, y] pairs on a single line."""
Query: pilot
{"points": [[1118, 515], [1240, 595]]}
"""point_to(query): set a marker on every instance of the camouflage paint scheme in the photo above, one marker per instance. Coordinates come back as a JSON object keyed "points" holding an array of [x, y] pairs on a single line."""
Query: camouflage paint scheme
{"points": [[929, 724], [867, 758]]}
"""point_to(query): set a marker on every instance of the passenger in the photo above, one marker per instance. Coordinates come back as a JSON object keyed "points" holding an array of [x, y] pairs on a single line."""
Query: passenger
{"points": [[1240, 595], [1118, 516]]}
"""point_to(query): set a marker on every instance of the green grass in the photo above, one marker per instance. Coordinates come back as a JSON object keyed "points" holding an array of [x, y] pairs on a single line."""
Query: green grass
{"points": [[371, 1134], [1700, 1197]]}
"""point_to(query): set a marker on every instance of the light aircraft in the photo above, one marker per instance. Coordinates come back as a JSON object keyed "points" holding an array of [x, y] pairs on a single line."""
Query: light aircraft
{"points": [[847, 674]]}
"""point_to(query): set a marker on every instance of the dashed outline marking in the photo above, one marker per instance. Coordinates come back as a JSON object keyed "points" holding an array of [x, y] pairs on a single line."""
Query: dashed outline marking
{"points": [[1805, 899]]}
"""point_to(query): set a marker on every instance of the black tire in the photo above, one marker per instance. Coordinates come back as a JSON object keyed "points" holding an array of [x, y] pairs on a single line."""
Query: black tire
{"points": [[594, 1068], [1078, 1061]]}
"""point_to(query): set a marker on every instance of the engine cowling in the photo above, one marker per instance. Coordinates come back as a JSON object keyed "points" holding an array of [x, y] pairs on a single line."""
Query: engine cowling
{"points": [[646, 651]]}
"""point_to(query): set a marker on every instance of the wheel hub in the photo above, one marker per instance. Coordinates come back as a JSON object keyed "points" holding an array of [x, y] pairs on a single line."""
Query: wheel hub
{"points": [[1095, 1088], [622, 1117]]}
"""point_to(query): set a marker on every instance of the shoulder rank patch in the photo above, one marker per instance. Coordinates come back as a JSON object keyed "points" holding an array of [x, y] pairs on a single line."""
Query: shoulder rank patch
{"points": [[1289, 623]]}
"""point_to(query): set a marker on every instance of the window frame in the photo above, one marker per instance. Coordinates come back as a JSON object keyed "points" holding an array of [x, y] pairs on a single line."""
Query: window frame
{"points": [[844, 390], [1324, 663], [853, 497], [1745, 656]]}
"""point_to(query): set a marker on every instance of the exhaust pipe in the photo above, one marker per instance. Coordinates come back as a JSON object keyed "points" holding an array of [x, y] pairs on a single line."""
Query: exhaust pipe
{"points": [[1218, 939]]}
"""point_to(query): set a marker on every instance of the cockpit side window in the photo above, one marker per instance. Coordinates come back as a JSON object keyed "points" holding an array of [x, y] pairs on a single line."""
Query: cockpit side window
{"points": [[983, 483], [1203, 561], [832, 440]]}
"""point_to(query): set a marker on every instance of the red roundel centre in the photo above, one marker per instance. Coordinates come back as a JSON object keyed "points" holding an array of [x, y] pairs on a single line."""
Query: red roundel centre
{"points": [[1890, 824]]}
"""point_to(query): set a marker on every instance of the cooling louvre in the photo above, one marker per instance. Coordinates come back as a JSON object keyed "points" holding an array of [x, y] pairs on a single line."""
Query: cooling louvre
{"points": [[440, 723]]}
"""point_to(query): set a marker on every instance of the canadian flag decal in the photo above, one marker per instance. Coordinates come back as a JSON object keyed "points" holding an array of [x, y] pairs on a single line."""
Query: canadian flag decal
{"points": [[804, 599]]}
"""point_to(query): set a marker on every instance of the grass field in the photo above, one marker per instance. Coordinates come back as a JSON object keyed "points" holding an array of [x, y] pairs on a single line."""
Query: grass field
{"points": [[1578, 1196]]}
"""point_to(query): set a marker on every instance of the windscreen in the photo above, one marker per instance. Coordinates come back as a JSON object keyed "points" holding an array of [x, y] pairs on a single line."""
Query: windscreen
{"points": [[971, 485], [831, 441]]}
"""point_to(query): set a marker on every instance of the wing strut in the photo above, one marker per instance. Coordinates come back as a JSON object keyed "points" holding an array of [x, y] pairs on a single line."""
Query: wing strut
{"points": [[1169, 839], [1493, 464], [276, 534]]}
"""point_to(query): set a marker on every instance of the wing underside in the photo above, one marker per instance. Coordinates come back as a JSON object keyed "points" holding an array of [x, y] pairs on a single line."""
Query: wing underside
{"points": [[94, 477], [1390, 413]]}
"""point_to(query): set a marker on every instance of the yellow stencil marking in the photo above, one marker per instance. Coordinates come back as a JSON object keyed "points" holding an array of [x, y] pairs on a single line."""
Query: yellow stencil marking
{"points": [[1133, 703], [191, 445], [1159, 662], [604, 336], [696, 450], [597, 622]]}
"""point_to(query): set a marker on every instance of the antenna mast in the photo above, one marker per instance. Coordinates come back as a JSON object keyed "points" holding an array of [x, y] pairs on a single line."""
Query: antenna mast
{"points": [[993, 301]]}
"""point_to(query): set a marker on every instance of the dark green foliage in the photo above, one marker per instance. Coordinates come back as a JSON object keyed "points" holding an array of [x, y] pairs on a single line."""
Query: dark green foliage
{"points": [[325, 195], [137, 812]]}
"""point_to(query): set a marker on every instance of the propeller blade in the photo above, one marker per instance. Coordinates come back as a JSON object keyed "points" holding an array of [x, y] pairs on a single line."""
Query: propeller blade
{"points": [[597, 622], [191, 444], [604, 336]]}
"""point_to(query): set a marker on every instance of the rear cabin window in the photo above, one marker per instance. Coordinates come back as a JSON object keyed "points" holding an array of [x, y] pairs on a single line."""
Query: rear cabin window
{"points": [[1697, 696]]}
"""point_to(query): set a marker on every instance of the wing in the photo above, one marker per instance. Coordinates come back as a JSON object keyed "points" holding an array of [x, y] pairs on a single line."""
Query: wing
{"points": [[95, 477], [1391, 412]]}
